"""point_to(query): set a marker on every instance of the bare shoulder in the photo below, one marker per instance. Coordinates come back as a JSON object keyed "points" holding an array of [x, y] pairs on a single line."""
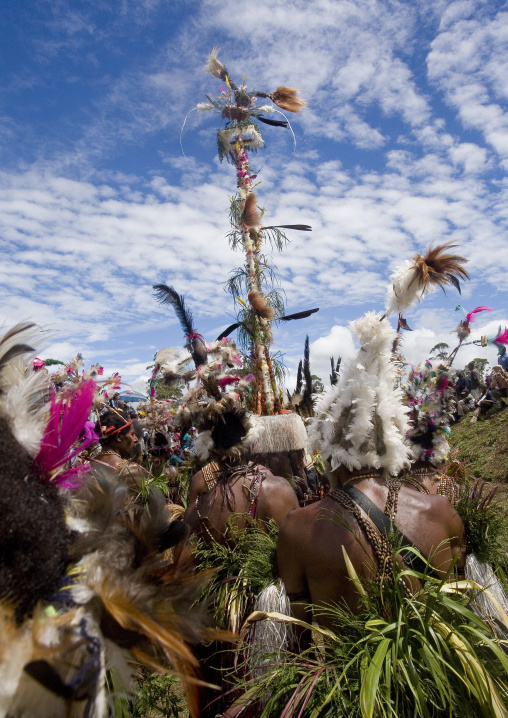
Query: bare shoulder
{"points": [[441, 511], [197, 486], [298, 523]]}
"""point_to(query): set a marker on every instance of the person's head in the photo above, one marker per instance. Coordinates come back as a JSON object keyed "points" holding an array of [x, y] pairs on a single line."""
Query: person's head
{"points": [[116, 434], [470, 366], [501, 350], [160, 448]]}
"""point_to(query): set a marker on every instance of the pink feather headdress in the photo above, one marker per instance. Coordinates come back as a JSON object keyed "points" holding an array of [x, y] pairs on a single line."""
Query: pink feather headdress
{"points": [[67, 419]]}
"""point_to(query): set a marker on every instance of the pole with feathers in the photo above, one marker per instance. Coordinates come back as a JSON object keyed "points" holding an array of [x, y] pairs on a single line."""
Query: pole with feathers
{"points": [[241, 135]]}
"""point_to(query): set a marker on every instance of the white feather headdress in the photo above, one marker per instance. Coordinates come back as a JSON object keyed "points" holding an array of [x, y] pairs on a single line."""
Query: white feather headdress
{"points": [[361, 421]]}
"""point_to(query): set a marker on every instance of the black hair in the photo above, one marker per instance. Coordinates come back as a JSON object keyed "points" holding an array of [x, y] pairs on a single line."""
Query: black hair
{"points": [[114, 420], [228, 431], [34, 536]]}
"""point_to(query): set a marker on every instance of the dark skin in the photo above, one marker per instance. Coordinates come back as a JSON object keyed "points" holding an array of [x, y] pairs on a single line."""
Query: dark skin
{"points": [[310, 557], [276, 500], [117, 452]]}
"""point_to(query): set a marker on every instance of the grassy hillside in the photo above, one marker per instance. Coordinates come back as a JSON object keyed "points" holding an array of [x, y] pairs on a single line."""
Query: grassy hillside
{"points": [[484, 445]]}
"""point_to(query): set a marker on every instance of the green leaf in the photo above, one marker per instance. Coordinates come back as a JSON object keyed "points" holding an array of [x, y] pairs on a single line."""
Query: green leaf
{"points": [[370, 679]]}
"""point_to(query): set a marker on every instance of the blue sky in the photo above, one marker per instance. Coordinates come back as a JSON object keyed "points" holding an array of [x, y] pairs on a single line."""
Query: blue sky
{"points": [[404, 143]]}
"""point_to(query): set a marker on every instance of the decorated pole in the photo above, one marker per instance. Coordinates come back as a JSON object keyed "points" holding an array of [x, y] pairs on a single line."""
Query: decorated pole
{"points": [[241, 135]]}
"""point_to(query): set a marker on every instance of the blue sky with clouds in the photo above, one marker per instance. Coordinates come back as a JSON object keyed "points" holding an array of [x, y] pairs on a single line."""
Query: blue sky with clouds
{"points": [[404, 143]]}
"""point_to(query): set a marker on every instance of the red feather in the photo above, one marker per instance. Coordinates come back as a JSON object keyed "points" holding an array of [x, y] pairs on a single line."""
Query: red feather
{"points": [[471, 318]]}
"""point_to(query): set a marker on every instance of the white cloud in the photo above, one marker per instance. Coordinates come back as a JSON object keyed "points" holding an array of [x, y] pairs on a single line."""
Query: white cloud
{"points": [[468, 62]]}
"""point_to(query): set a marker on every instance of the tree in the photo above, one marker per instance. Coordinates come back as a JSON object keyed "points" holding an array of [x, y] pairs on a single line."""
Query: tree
{"points": [[168, 391], [440, 351]]}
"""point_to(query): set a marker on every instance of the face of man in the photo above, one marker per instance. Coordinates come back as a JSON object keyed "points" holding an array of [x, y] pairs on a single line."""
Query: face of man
{"points": [[125, 442]]}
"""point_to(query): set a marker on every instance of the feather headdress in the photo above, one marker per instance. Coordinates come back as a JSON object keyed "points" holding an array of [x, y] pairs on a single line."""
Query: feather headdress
{"points": [[361, 421], [413, 280], [217, 406], [430, 398]]}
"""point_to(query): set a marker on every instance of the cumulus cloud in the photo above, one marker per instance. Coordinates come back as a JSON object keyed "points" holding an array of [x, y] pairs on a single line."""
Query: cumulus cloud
{"points": [[98, 203]]}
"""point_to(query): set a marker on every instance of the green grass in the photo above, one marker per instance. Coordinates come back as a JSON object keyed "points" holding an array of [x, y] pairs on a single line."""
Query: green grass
{"points": [[483, 445]]}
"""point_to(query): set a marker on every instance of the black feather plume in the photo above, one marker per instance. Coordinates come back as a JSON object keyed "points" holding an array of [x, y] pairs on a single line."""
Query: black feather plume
{"points": [[299, 227], [299, 315], [273, 123], [299, 378], [167, 295], [306, 371], [229, 331]]}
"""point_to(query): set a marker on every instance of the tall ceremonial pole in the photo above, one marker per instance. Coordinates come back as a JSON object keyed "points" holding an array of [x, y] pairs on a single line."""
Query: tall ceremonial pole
{"points": [[241, 135]]}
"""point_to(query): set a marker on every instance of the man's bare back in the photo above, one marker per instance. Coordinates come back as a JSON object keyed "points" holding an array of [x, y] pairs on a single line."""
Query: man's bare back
{"points": [[310, 556], [253, 490]]}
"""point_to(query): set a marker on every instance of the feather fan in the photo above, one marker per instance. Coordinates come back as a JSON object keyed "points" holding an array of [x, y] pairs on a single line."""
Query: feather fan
{"points": [[411, 281]]}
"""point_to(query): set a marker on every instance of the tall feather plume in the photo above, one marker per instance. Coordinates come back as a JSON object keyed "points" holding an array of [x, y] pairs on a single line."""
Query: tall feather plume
{"points": [[214, 66], [259, 303], [251, 213], [299, 377], [411, 281], [287, 99], [306, 403], [167, 295]]}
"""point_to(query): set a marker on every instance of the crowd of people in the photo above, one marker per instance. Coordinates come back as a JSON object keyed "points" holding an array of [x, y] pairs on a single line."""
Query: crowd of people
{"points": [[358, 494]]}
